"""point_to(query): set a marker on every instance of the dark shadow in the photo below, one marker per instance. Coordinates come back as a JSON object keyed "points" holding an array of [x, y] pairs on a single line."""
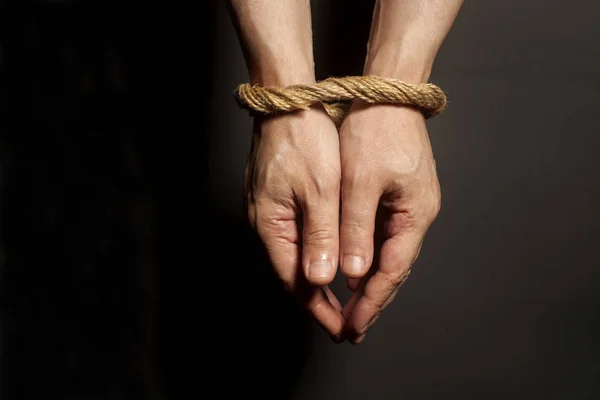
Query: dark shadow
{"points": [[343, 33], [119, 279]]}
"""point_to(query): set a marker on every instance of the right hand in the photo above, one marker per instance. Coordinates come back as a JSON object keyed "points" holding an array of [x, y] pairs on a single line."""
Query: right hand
{"points": [[292, 189]]}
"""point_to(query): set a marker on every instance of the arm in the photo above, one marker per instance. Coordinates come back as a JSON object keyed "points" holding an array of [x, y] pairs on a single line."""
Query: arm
{"points": [[293, 172], [387, 164], [276, 38], [406, 36]]}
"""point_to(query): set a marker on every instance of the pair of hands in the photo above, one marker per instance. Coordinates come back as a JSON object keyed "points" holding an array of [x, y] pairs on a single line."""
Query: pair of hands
{"points": [[362, 198]]}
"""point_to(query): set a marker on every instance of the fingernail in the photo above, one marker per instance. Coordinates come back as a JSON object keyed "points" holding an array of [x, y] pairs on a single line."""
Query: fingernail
{"points": [[320, 269], [354, 265], [360, 338]]}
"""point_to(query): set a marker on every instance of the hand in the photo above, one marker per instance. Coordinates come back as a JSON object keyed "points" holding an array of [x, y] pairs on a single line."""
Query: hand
{"points": [[390, 195], [292, 186]]}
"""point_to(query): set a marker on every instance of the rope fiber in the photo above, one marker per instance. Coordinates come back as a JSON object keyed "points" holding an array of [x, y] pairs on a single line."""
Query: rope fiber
{"points": [[336, 95]]}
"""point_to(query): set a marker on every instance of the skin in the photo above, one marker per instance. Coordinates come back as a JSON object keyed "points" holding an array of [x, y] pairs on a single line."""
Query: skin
{"points": [[362, 198]]}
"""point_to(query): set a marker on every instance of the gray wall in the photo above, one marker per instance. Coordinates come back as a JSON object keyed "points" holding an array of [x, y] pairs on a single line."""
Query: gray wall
{"points": [[504, 301]]}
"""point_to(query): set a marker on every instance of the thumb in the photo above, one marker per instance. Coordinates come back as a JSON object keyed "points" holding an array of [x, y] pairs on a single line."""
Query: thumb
{"points": [[359, 209], [320, 243]]}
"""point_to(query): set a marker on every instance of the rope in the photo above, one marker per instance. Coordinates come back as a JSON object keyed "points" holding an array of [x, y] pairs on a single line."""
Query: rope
{"points": [[336, 95]]}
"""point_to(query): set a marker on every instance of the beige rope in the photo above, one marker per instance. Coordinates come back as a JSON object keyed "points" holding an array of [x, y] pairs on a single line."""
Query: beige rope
{"points": [[336, 94]]}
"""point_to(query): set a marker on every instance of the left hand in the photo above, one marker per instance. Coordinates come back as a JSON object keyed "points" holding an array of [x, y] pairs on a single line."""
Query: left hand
{"points": [[390, 195]]}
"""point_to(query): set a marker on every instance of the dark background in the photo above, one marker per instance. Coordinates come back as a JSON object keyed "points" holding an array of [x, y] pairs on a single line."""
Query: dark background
{"points": [[127, 270]]}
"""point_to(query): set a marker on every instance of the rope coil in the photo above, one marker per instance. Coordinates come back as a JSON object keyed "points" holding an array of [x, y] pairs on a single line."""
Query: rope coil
{"points": [[336, 95]]}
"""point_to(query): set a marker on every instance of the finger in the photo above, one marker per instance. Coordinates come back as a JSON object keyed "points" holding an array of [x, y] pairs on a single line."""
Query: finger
{"points": [[358, 284], [332, 299], [281, 240], [320, 238], [396, 257], [359, 207], [326, 314], [352, 283], [357, 338]]}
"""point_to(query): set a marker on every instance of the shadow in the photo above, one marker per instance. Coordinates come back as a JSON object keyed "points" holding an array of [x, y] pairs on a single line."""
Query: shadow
{"points": [[343, 34], [120, 279]]}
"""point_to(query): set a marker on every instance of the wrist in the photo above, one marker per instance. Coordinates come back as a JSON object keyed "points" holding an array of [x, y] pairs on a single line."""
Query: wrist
{"points": [[401, 61], [282, 67], [382, 111], [276, 74]]}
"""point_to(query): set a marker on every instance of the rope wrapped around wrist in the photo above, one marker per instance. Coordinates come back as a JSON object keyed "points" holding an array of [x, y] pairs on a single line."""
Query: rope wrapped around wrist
{"points": [[336, 95]]}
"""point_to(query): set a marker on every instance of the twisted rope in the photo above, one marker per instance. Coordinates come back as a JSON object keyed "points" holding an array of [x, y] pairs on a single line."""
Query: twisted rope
{"points": [[336, 95]]}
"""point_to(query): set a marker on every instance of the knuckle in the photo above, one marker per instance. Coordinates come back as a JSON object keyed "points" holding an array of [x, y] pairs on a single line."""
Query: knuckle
{"points": [[318, 236], [273, 229], [270, 227], [353, 227], [407, 219], [433, 205], [392, 279], [420, 212]]}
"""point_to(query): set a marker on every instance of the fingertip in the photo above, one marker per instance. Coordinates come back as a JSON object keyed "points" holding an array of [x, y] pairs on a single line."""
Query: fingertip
{"points": [[358, 340], [333, 300], [326, 315], [352, 284], [354, 266], [338, 338], [352, 335], [320, 272]]}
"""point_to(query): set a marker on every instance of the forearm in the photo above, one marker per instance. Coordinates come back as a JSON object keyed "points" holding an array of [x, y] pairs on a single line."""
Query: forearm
{"points": [[276, 38], [406, 36]]}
